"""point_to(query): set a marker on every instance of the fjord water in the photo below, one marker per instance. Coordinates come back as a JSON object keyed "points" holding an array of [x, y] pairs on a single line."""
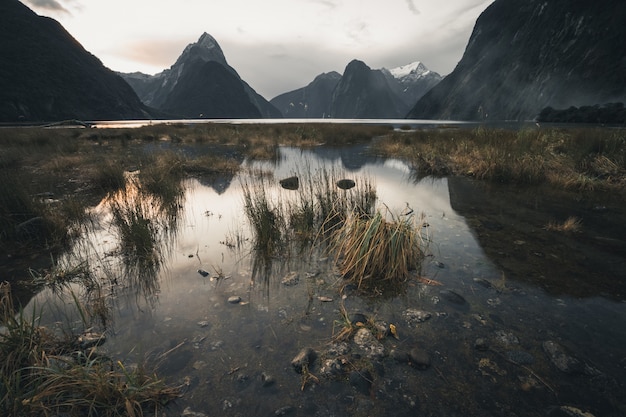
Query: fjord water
{"points": [[497, 290]]}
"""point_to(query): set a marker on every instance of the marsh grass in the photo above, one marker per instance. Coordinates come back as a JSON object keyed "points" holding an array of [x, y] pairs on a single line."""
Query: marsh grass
{"points": [[571, 225], [41, 374], [378, 249], [577, 159]]}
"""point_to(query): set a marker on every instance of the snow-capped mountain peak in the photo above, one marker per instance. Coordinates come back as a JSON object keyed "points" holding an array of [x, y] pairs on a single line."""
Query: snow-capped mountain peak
{"points": [[416, 68]]}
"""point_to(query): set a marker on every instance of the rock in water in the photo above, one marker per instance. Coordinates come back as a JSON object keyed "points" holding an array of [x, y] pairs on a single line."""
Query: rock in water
{"points": [[366, 341], [419, 358], [291, 183], [235, 299], [346, 184], [303, 359], [452, 297], [562, 360]]}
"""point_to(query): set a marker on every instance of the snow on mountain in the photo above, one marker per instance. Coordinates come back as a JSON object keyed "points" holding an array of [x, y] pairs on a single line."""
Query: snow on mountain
{"points": [[415, 68]]}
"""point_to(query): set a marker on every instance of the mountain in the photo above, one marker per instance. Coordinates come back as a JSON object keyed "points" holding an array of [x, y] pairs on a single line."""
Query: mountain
{"points": [[410, 82], [360, 93], [312, 101], [363, 93], [46, 75], [201, 84], [525, 55]]}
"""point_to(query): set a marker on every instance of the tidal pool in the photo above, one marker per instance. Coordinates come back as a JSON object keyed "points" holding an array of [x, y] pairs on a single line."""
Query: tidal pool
{"points": [[504, 318]]}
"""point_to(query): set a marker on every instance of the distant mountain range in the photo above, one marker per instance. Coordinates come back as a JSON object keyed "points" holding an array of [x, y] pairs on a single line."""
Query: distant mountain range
{"points": [[525, 55], [46, 75], [201, 84], [361, 93]]}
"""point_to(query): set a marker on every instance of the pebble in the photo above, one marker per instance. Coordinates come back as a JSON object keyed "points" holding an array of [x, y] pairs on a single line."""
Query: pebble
{"points": [[452, 297], [366, 341], [419, 358], [235, 299], [303, 359], [562, 360], [520, 357], [290, 279], [481, 344], [267, 380], [332, 367], [413, 316], [483, 282], [506, 339], [187, 412], [284, 410]]}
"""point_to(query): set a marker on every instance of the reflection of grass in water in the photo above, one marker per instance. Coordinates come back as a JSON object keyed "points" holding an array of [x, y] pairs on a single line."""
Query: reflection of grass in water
{"points": [[373, 250], [40, 376]]}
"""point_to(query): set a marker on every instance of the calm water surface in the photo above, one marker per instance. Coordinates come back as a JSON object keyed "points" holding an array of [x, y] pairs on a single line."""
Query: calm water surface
{"points": [[487, 349]]}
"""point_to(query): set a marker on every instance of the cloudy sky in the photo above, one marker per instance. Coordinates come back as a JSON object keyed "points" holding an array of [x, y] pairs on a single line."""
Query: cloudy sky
{"points": [[275, 45]]}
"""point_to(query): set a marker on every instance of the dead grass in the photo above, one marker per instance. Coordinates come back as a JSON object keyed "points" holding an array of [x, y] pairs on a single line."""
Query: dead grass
{"points": [[570, 225], [576, 159]]}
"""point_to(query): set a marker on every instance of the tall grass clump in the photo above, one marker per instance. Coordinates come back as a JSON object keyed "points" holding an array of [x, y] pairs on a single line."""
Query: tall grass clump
{"points": [[265, 218], [42, 374], [575, 158], [374, 251]]}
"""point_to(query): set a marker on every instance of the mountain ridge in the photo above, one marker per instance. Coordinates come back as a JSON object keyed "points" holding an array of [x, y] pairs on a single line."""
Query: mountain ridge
{"points": [[46, 74], [525, 55], [160, 90], [363, 92]]}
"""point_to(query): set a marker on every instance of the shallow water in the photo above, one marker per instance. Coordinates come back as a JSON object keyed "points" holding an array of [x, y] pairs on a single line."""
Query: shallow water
{"points": [[486, 246]]}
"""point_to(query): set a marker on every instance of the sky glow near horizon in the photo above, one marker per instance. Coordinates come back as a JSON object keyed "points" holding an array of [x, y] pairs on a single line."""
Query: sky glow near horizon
{"points": [[275, 45]]}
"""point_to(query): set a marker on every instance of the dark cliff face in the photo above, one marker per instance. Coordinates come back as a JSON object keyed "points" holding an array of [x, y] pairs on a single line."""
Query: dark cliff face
{"points": [[166, 91], [312, 101], [365, 93], [208, 89], [524, 55], [46, 75]]}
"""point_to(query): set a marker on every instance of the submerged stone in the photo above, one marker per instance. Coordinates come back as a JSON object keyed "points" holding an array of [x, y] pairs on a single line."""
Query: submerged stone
{"points": [[419, 358], [366, 341], [235, 299], [452, 297], [303, 359], [559, 358]]}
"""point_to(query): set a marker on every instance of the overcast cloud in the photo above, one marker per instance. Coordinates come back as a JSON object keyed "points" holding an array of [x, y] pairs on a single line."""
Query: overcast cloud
{"points": [[275, 45]]}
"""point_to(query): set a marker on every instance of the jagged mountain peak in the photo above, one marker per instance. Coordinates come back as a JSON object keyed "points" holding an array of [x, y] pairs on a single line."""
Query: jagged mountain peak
{"points": [[416, 68], [206, 48]]}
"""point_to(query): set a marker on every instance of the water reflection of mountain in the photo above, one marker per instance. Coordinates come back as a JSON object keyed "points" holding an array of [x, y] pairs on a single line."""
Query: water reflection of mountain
{"points": [[509, 224], [218, 182], [352, 157]]}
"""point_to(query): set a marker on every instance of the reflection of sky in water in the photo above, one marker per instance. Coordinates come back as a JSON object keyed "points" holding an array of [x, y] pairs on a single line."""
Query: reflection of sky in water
{"points": [[278, 320]]}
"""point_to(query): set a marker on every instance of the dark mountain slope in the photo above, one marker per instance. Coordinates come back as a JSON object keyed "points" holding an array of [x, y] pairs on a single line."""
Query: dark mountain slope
{"points": [[208, 88], [312, 101], [524, 55], [162, 90], [46, 75], [365, 93]]}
